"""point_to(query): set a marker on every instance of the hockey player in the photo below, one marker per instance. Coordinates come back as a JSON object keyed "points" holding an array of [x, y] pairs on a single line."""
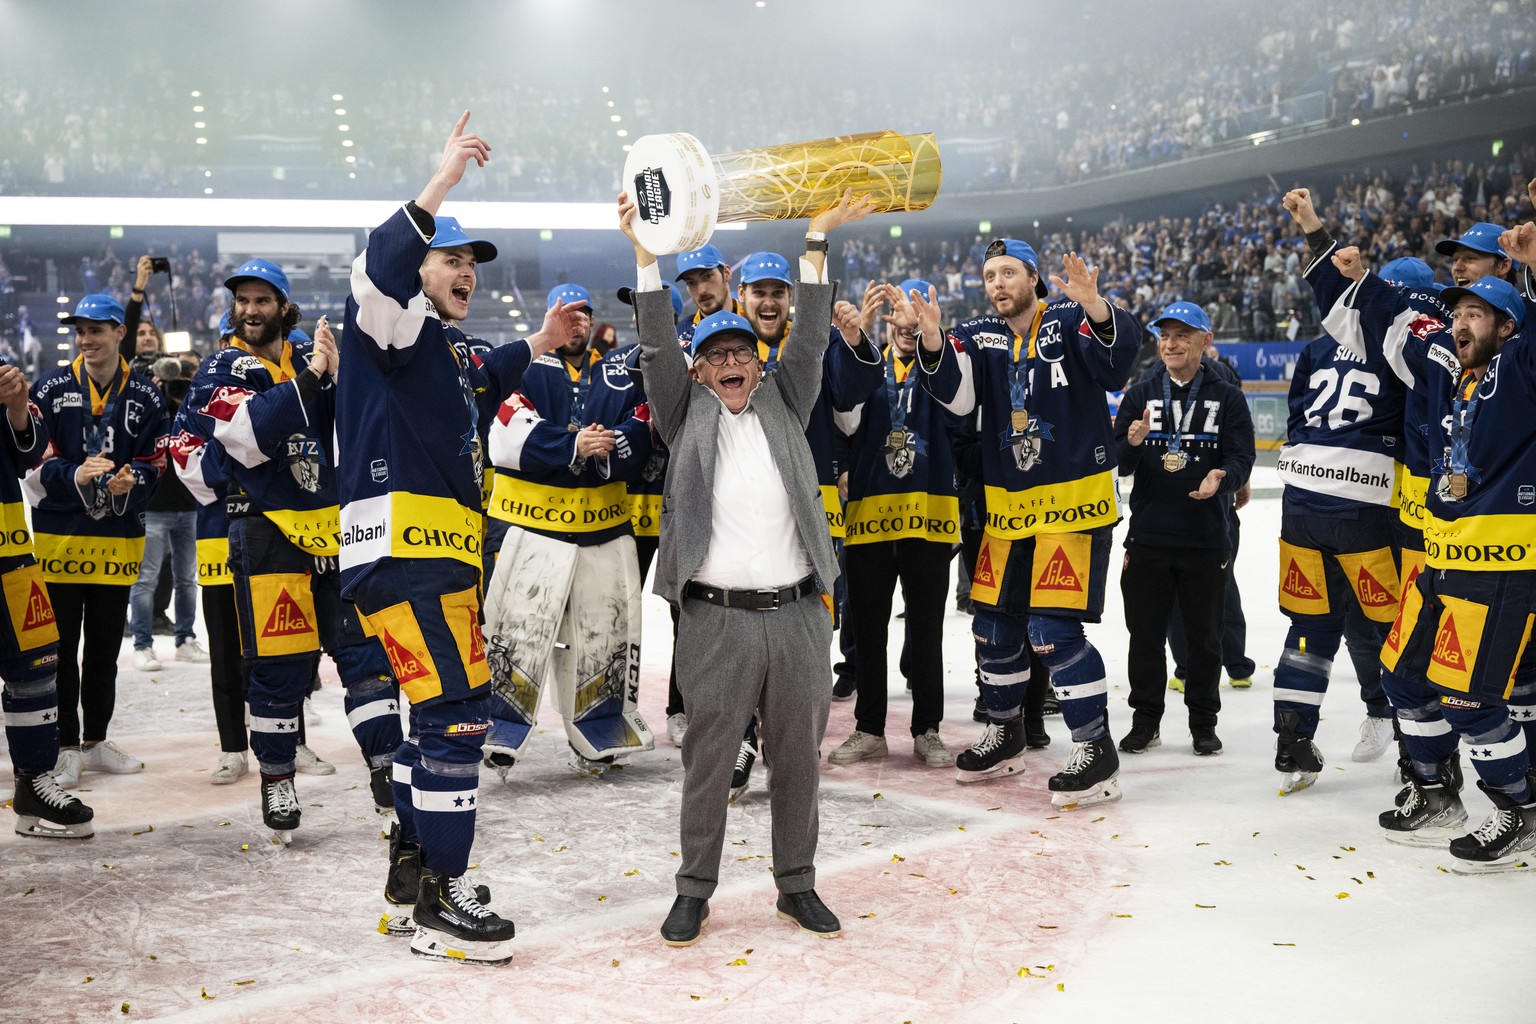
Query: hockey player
{"points": [[268, 403], [106, 425], [29, 636], [1038, 373], [902, 515], [1186, 435], [565, 444], [745, 556], [411, 528], [706, 273], [1337, 527], [1462, 630]]}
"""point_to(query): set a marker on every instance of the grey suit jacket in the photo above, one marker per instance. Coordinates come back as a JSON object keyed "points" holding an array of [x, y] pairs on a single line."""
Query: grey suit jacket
{"points": [[688, 417]]}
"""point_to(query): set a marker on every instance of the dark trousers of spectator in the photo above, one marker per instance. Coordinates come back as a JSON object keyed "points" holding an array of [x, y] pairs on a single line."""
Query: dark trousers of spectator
{"points": [[1153, 578], [226, 666], [1039, 676], [645, 547], [1234, 625], [922, 568], [87, 680]]}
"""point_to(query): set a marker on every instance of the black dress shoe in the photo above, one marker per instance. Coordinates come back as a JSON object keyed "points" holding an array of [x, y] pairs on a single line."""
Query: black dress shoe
{"points": [[807, 910], [684, 921]]}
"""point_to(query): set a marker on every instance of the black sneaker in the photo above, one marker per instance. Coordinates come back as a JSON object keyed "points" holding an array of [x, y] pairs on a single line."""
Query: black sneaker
{"points": [[1141, 736], [45, 811], [807, 911], [1497, 844], [686, 919], [1035, 736], [844, 688], [1206, 742]]}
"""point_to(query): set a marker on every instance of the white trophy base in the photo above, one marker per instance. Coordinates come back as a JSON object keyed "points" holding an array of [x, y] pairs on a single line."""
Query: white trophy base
{"points": [[672, 179]]}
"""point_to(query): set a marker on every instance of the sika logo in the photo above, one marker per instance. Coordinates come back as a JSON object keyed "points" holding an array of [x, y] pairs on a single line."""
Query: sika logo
{"points": [[1297, 584], [1372, 593], [1448, 647], [287, 618], [983, 575], [408, 668], [1059, 574], [39, 611]]}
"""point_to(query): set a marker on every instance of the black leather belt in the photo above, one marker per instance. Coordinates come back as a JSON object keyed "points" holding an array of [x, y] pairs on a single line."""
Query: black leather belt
{"points": [[752, 600]]}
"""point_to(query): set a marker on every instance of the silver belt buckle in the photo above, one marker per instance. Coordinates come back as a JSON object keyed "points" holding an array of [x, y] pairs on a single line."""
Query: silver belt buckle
{"points": [[772, 592]]}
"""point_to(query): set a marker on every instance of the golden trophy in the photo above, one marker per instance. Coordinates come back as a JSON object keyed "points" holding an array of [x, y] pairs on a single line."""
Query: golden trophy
{"points": [[682, 192]]}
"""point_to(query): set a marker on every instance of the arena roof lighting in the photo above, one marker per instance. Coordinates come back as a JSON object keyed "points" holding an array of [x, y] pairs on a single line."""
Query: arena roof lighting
{"points": [[296, 213]]}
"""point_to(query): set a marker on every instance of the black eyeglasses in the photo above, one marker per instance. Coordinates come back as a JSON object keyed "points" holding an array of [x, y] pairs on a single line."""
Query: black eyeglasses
{"points": [[738, 354]]}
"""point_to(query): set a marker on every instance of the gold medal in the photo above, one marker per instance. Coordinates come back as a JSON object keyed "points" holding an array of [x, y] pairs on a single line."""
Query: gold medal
{"points": [[1175, 461], [896, 440], [1020, 421], [573, 427], [1457, 485]]}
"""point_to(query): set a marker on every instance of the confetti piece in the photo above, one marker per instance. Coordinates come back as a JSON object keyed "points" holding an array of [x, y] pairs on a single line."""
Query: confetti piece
{"points": [[88, 979], [561, 849], [914, 874], [740, 961], [1341, 895], [207, 996], [1024, 972], [1300, 868], [1370, 874], [1115, 836], [1290, 944], [960, 828], [954, 892], [1095, 821], [613, 963], [1357, 881], [1120, 915], [245, 847], [601, 898], [146, 830], [695, 998], [866, 843], [153, 957], [223, 824], [878, 796], [1046, 927], [897, 858], [865, 917], [1311, 878], [1205, 906], [248, 981], [1202, 844], [1347, 849], [1223, 863], [631, 873], [1255, 833], [1439, 868], [747, 952], [997, 808], [538, 839], [123, 1008], [107, 866], [30, 891], [383, 924], [1060, 987], [674, 853], [1121, 885]]}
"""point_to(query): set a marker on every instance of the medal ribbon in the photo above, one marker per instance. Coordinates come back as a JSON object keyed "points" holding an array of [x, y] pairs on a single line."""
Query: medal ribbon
{"points": [[900, 390], [581, 383], [1176, 430], [103, 404], [1021, 373], [1463, 414]]}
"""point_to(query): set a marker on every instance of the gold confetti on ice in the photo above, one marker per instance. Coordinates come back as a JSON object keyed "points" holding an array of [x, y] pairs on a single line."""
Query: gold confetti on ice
{"points": [[631, 873], [1291, 944], [1223, 863], [561, 848], [878, 796], [1202, 844], [613, 963], [1341, 895], [1047, 927], [600, 899], [1120, 915], [865, 917], [897, 858], [1095, 821], [123, 1008], [145, 830], [740, 961], [206, 995], [88, 979], [248, 981], [1205, 906]]}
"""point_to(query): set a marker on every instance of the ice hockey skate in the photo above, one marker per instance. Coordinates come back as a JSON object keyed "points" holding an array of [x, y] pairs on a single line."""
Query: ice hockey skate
{"points": [[593, 767], [500, 760], [1428, 814], [280, 808], [1296, 757], [381, 782], [1505, 841], [741, 775], [403, 885], [45, 811], [1090, 776], [453, 925], [998, 754]]}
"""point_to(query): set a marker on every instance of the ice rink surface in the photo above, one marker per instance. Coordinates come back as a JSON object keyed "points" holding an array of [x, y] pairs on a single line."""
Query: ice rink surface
{"points": [[1201, 895]]}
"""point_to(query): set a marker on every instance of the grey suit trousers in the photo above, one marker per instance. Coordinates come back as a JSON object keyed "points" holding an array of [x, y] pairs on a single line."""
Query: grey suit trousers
{"points": [[730, 662]]}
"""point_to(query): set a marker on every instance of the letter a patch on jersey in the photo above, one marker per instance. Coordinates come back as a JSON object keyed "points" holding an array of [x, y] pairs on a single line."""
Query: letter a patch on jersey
{"points": [[461, 612], [1303, 588], [1374, 576], [283, 612], [1060, 572], [1457, 637], [31, 612], [991, 562]]}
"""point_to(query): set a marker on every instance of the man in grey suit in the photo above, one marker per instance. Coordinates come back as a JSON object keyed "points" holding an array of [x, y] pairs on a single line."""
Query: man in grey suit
{"points": [[746, 558]]}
